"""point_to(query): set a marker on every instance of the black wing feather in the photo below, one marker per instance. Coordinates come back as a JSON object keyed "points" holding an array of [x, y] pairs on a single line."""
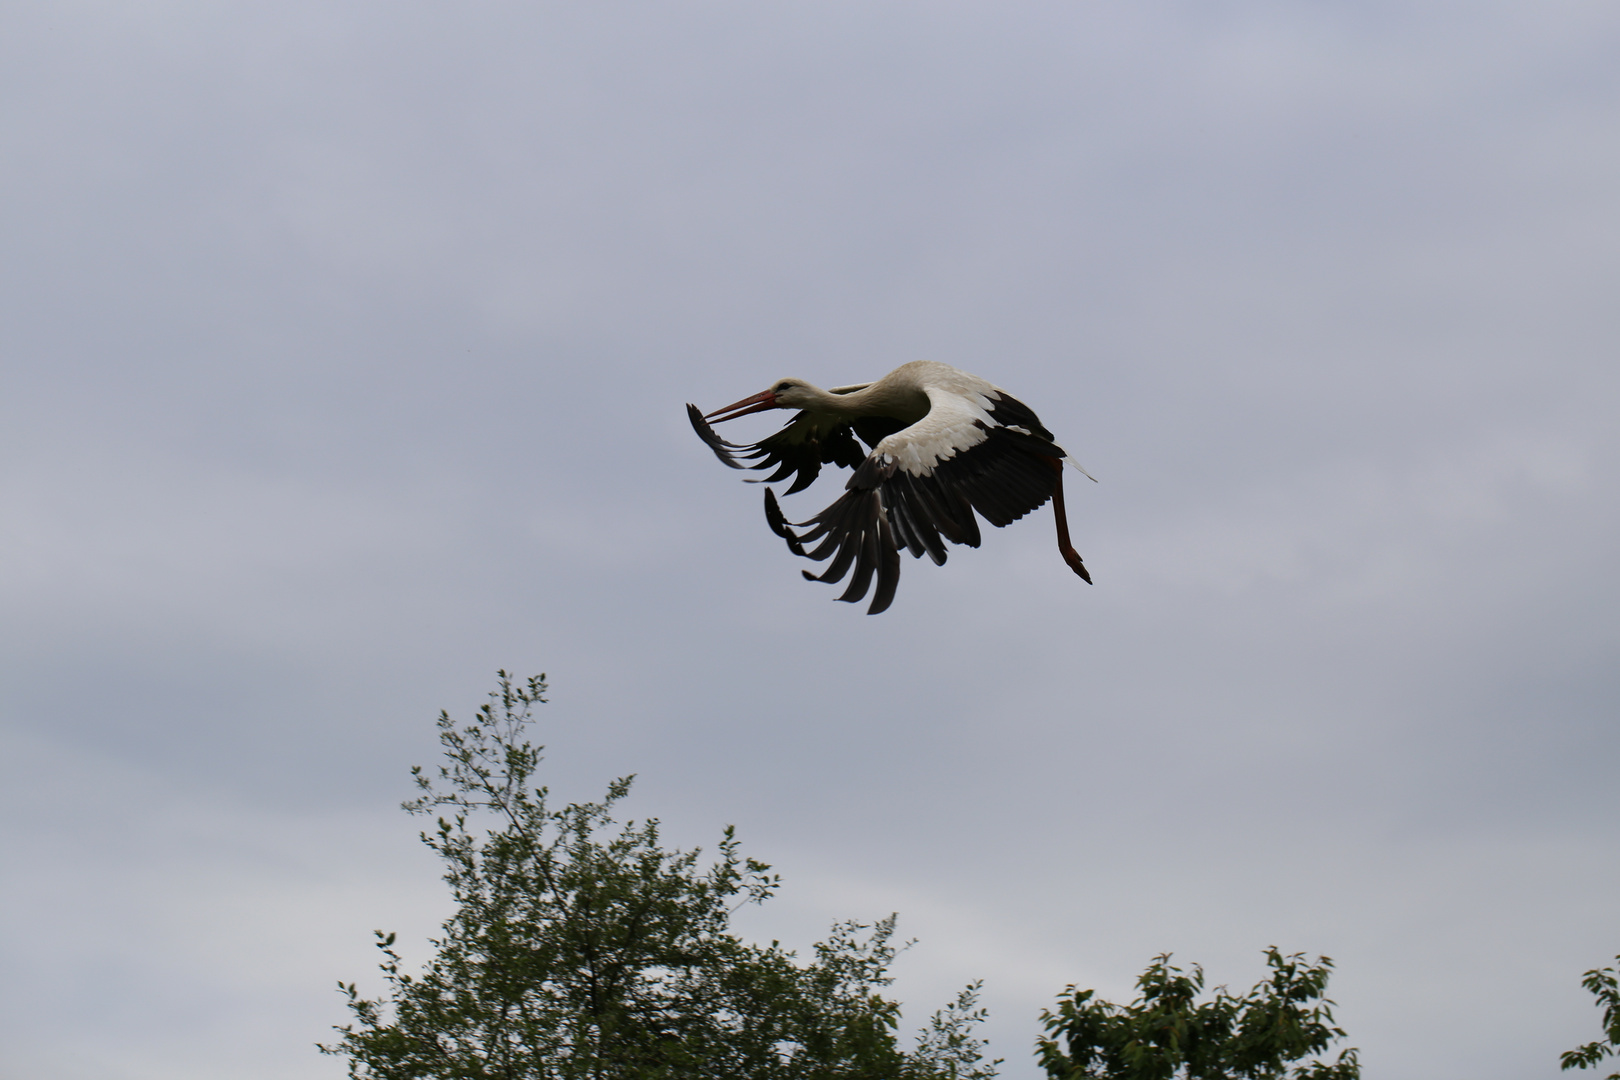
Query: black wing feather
{"points": [[884, 509], [873, 430], [803, 446]]}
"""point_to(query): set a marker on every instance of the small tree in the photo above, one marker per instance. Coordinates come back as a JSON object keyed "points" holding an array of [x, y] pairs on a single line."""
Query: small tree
{"points": [[571, 956], [1165, 1034], [1604, 983]]}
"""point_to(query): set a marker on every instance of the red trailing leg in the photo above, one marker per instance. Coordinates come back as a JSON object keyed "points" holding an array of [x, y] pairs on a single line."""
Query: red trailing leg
{"points": [[1070, 556]]}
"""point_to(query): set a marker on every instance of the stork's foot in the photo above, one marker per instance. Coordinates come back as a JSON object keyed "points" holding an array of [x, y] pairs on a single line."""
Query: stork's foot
{"points": [[1072, 557]]}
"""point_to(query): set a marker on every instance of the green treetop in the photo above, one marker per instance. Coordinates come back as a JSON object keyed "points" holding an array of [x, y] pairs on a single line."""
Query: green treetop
{"points": [[583, 949], [1167, 1034]]}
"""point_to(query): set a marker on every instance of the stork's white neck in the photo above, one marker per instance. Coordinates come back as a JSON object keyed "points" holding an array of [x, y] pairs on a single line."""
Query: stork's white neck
{"points": [[902, 400]]}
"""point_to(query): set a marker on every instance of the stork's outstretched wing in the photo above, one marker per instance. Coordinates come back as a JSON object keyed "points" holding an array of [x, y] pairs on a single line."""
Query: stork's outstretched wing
{"points": [[921, 487], [808, 442]]}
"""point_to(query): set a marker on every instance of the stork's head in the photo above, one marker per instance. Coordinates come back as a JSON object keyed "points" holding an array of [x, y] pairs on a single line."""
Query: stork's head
{"points": [[784, 394]]}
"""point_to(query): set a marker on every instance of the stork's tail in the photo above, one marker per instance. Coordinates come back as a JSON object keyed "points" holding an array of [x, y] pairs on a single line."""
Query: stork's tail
{"points": [[1079, 468]]}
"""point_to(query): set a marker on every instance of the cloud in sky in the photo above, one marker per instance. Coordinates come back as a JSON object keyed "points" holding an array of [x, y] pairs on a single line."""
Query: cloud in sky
{"points": [[345, 351]]}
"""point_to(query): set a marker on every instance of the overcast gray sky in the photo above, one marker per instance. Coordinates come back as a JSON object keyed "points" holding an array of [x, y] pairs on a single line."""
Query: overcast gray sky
{"points": [[345, 347]]}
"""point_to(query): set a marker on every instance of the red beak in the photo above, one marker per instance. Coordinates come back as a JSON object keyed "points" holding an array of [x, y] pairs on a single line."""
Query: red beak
{"points": [[758, 403]]}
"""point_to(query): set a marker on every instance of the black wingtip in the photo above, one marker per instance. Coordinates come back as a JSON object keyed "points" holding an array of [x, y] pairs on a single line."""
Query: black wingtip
{"points": [[888, 569], [721, 448], [779, 525], [774, 517]]}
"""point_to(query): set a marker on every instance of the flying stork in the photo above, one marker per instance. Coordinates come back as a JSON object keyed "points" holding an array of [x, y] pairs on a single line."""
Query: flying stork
{"points": [[943, 444]]}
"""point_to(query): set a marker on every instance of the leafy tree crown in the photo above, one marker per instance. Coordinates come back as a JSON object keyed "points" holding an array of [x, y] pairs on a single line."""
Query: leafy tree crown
{"points": [[581, 948], [1167, 1034]]}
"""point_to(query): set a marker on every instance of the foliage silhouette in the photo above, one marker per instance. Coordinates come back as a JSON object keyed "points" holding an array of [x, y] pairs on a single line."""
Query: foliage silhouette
{"points": [[1605, 986], [583, 949], [1165, 1034]]}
